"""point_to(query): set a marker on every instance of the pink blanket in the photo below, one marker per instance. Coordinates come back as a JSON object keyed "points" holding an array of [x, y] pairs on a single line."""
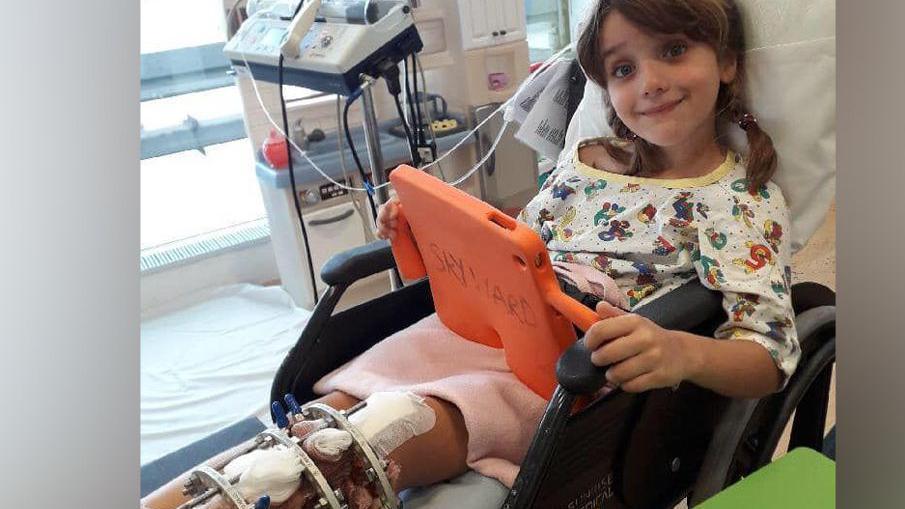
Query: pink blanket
{"points": [[501, 414]]}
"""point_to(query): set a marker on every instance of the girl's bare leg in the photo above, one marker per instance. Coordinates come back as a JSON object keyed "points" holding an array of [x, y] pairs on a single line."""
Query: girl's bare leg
{"points": [[436, 455]]}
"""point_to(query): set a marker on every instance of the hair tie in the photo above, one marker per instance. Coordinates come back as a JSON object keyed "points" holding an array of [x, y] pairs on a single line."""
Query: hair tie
{"points": [[747, 121]]}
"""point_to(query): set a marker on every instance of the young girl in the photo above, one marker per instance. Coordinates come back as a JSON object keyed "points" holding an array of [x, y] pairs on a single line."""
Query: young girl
{"points": [[663, 202]]}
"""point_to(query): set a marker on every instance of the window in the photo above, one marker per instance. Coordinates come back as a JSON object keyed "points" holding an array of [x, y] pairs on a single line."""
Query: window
{"points": [[548, 27], [197, 165], [197, 170]]}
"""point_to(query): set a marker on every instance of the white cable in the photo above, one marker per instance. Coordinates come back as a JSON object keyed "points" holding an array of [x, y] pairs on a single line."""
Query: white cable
{"points": [[502, 106], [493, 146]]}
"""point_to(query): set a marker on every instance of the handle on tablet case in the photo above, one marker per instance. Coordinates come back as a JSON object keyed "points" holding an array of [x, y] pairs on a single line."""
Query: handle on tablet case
{"points": [[405, 251], [575, 311]]}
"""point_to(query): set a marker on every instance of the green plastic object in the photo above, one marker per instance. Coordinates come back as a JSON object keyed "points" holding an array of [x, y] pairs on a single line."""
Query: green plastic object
{"points": [[802, 479]]}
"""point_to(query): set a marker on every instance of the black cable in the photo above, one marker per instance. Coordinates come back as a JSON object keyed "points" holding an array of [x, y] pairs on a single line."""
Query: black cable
{"points": [[410, 100], [361, 170], [419, 131], [433, 143], [413, 143], [388, 70], [295, 196]]}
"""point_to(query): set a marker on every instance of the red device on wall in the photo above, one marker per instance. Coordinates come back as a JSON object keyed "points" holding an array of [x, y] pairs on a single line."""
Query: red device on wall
{"points": [[490, 276]]}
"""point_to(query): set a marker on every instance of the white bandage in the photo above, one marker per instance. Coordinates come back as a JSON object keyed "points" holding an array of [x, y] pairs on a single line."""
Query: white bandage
{"points": [[392, 418], [275, 472], [330, 442]]}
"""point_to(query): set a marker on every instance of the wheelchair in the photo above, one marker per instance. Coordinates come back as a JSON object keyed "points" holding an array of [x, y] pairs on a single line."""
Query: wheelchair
{"points": [[687, 442]]}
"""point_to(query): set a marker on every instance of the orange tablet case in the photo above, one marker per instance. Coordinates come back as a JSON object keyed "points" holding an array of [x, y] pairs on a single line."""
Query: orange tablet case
{"points": [[490, 276]]}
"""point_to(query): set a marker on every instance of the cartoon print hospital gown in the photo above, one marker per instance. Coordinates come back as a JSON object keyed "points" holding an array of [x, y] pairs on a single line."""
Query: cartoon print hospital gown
{"points": [[653, 235]]}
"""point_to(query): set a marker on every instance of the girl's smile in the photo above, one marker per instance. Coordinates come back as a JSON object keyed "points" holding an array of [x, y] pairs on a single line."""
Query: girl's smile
{"points": [[664, 108]]}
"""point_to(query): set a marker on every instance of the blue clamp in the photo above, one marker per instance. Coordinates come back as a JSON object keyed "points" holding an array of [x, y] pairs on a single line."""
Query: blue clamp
{"points": [[279, 414], [293, 405]]}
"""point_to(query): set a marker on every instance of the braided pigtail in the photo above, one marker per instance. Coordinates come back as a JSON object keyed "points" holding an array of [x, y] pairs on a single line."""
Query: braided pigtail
{"points": [[732, 108]]}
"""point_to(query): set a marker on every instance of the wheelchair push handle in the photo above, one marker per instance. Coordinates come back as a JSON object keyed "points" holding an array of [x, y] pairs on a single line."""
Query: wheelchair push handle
{"points": [[576, 312], [576, 373]]}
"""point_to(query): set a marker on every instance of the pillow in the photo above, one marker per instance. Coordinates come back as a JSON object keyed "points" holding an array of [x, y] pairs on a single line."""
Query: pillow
{"points": [[791, 81]]}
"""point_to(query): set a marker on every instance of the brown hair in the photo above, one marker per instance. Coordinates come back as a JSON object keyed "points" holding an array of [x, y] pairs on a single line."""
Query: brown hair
{"points": [[716, 23]]}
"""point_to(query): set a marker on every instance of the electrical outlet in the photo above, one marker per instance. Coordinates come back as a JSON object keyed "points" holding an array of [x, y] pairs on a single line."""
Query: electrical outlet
{"points": [[447, 124]]}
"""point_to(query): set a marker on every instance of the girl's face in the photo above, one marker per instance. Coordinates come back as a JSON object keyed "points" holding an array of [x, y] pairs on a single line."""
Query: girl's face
{"points": [[663, 87]]}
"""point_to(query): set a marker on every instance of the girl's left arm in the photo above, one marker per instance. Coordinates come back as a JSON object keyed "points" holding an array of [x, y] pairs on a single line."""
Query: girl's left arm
{"points": [[743, 252], [643, 356], [738, 369]]}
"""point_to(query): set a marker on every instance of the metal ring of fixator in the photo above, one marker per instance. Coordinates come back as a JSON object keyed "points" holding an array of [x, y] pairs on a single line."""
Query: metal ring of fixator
{"points": [[376, 472], [214, 480]]}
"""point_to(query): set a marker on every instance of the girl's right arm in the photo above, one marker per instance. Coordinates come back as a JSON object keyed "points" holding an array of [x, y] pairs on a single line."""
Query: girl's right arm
{"points": [[387, 224]]}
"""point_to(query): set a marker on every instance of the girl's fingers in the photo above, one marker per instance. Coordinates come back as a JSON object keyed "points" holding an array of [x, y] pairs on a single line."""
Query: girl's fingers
{"points": [[610, 329], [617, 350], [629, 369], [641, 383], [606, 310]]}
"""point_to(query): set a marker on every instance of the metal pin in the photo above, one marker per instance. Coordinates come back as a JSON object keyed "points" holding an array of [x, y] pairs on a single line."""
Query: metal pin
{"points": [[204, 497]]}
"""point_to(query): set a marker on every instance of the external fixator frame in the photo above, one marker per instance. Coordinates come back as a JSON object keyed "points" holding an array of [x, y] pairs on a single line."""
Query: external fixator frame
{"points": [[205, 481]]}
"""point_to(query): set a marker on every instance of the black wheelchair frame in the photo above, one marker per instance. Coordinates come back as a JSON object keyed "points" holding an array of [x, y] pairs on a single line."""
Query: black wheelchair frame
{"points": [[647, 450]]}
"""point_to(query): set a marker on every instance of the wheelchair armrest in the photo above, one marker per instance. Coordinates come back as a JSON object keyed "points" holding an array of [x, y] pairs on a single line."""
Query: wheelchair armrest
{"points": [[684, 308], [357, 263]]}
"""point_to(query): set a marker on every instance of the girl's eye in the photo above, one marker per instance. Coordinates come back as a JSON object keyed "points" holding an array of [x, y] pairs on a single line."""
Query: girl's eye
{"points": [[675, 49], [622, 70]]}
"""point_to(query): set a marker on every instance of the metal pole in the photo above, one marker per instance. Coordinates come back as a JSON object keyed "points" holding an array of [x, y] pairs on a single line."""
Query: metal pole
{"points": [[375, 156], [372, 140]]}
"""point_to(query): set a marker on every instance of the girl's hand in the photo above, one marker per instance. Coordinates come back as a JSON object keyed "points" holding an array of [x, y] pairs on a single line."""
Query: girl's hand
{"points": [[387, 225], [641, 354]]}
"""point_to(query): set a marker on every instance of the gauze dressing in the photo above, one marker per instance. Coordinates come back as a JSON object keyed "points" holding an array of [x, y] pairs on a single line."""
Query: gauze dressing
{"points": [[275, 472], [392, 418]]}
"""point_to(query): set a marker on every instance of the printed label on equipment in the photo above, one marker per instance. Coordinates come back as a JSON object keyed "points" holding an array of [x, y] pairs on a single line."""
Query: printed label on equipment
{"points": [[593, 497], [332, 190]]}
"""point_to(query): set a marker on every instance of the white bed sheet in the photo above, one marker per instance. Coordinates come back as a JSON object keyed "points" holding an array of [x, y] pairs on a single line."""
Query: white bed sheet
{"points": [[207, 361]]}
